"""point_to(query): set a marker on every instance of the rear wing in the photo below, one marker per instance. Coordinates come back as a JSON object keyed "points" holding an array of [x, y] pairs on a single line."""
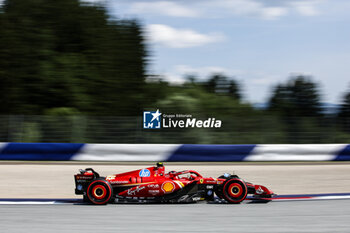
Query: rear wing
{"points": [[83, 179]]}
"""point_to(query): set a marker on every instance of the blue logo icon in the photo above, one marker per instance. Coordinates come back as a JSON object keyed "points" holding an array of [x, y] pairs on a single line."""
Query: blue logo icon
{"points": [[151, 120], [145, 173]]}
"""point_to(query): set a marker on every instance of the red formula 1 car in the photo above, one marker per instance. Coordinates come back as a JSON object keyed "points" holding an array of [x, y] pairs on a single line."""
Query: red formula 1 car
{"points": [[153, 185]]}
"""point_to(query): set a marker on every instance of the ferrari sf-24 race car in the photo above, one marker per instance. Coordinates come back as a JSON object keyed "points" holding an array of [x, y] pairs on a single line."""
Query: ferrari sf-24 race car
{"points": [[153, 185]]}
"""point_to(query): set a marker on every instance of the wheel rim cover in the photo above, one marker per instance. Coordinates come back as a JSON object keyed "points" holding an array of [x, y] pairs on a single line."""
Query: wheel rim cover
{"points": [[99, 192], [235, 190]]}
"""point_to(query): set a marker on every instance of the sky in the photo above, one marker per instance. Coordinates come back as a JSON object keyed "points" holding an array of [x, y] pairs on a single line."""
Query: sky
{"points": [[260, 43]]}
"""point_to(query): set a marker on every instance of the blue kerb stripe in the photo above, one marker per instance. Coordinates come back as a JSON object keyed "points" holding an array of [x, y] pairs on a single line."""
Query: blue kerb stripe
{"points": [[40, 151], [211, 153], [344, 155]]}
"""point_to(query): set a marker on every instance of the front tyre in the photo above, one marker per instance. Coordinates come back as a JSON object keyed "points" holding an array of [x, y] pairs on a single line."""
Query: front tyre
{"points": [[234, 191], [99, 192]]}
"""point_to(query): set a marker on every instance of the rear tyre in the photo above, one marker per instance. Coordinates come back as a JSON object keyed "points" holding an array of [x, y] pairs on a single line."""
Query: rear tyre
{"points": [[99, 192], [234, 191]]}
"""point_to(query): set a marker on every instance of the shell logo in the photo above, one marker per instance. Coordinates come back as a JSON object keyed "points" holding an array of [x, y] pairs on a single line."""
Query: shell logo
{"points": [[168, 187]]}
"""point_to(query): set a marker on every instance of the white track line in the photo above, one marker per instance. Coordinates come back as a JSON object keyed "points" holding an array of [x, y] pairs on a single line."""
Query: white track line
{"points": [[332, 197], [28, 202]]}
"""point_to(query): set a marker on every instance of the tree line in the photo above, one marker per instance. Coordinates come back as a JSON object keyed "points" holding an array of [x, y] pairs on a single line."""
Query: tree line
{"points": [[56, 54]]}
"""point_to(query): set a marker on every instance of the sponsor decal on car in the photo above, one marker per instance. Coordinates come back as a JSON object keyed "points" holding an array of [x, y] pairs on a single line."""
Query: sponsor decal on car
{"points": [[136, 190], [153, 192], [211, 181], [119, 182], [110, 177], [84, 177], [82, 181], [153, 186], [168, 187], [79, 187], [259, 190], [145, 173]]}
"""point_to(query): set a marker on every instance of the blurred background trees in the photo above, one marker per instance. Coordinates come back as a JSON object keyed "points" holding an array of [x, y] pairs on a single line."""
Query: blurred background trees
{"points": [[71, 73], [67, 54], [344, 113], [299, 97], [298, 104]]}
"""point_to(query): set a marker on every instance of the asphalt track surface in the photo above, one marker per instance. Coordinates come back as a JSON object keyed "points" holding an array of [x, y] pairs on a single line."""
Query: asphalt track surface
{"points": [[293, 216]]}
